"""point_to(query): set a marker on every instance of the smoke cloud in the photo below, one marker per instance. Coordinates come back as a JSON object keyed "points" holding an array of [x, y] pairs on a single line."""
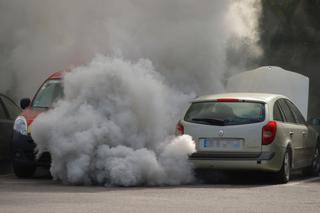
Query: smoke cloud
{"points": [[112, 127], [185, 40], [116, 121]]}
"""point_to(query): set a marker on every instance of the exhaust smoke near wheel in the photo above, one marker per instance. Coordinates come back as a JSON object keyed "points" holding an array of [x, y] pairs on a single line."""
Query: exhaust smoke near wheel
{"points": [[114, 125]]}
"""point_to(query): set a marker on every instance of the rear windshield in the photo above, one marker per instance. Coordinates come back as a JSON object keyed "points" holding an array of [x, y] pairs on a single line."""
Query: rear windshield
{"points": [[49, 93], [225, 113]]}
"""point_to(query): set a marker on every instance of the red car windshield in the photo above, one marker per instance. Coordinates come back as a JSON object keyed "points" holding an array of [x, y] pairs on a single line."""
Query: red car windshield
{"points": [[49, 93]]}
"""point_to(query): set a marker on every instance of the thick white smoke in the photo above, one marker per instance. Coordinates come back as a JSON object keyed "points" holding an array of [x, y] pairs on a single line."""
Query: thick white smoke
{"points": [[185, 39], [113, 127], [115, 122]]}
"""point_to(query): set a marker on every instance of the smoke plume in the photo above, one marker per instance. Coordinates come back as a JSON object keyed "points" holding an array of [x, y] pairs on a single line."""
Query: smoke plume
{"points": [[116, 121], [112, 127], [185, 40]]}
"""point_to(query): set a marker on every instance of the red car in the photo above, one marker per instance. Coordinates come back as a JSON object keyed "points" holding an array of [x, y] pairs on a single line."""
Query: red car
{"points": [[24, 155]]}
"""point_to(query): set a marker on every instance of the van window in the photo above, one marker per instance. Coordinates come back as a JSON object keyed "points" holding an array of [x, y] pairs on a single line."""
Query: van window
{"points": [[225, 113]]}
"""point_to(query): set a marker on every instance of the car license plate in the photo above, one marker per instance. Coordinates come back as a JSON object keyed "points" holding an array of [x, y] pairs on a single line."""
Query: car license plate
{"points": [[221, 144]]}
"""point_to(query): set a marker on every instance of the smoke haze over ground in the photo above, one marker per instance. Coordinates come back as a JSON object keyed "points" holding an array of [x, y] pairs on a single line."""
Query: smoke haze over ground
{"points": [[116, 122]]}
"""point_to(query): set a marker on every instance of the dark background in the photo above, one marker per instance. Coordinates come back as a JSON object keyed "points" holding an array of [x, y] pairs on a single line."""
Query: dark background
{"points": [[290, 38]]}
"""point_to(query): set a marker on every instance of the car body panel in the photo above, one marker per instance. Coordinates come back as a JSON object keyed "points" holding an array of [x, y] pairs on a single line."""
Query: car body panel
{"points": [[299, 139], [23, 145], [249, 144], [25, 153], [58, 74], [298, 143], [6, 123], [259, 97], [5, 138], [31, 113], [311, 143]]}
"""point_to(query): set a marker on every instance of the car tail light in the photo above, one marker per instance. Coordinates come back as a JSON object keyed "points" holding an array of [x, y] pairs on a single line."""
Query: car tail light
{"points": [[228, 100], [179, 129], [269, 132]]}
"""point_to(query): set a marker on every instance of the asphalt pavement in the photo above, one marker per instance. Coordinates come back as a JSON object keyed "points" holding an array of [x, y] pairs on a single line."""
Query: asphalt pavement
{"points": [[227, 193]]}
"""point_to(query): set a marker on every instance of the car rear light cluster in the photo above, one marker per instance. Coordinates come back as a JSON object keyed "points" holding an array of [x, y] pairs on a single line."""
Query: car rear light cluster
{"points": [[269, 133], [179, 129]]}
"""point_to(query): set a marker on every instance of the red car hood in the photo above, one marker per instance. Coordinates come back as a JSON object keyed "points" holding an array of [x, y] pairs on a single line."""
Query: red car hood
{"points": [[31, 113]]}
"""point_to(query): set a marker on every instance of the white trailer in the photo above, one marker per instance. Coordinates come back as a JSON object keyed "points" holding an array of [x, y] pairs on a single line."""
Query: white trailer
{"points": [[271, 79]]}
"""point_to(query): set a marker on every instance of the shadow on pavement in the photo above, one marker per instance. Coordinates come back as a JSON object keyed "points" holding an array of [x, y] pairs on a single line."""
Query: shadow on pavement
{"points": [[242, 179], [42, 182], [5, 167]]}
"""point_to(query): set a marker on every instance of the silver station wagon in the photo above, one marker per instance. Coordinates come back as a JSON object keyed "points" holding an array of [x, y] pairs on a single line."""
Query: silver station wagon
{"points": [[250, 131]]}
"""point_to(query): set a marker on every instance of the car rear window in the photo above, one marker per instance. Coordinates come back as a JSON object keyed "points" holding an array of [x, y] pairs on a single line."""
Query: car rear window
{"points": [[225, 113]]}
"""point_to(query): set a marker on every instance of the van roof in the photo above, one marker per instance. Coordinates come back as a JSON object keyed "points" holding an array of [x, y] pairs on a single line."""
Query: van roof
{"points": [[261, 97]]}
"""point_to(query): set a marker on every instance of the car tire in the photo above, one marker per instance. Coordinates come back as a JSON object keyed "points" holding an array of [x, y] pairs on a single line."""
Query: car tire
{"points": [[23, 171], [283, 176], [314, 169]]}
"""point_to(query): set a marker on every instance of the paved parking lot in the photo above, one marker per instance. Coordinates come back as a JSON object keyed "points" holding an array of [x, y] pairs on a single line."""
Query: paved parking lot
{"points": [[242, 193]]}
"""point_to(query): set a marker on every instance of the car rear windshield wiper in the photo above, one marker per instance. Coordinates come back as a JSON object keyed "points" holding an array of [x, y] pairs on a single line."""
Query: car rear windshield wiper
{"points": [[210, 121]]}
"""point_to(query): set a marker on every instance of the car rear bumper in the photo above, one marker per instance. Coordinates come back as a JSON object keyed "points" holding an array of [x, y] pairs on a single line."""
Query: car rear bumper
{"points": [[24, 153], [263, 161]]}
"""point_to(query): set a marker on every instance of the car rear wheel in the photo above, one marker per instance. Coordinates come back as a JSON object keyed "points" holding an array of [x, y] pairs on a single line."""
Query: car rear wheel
{"points": [[283, 176], [23, 171], [314, 169]]}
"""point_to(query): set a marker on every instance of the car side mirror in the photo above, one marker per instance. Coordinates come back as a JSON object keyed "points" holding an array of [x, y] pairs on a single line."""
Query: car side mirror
{"points": [[25, 102]]}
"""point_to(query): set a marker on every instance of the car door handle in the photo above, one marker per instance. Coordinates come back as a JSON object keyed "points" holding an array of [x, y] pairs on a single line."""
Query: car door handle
{"points": [[291, 133], [304, 133]]}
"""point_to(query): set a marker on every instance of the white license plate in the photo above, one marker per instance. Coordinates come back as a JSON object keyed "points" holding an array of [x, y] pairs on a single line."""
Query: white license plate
{"points": [[221, 144]]}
